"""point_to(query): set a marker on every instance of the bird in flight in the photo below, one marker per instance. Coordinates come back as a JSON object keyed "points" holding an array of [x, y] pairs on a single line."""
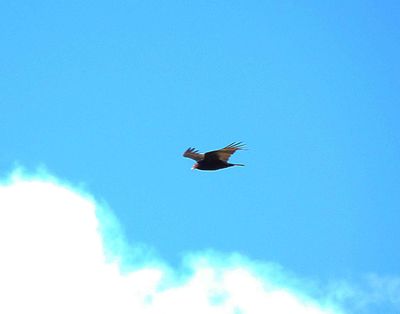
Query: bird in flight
{"points": [[214, 160]]}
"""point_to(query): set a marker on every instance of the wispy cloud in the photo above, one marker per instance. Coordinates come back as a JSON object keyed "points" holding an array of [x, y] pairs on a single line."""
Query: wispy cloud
{"points": [[63, 252], [371, 293]]}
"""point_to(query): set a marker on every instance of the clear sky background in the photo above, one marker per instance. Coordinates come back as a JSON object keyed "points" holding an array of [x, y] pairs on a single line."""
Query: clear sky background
{"points": [[109, 95]]}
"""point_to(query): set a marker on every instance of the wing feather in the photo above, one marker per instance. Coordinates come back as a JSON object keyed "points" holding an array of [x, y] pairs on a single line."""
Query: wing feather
{"points": [[224, 153], [193, 154]]}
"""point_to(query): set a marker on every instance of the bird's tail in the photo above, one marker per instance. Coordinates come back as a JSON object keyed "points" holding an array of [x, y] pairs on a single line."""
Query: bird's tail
{"points": [[238, 165]]}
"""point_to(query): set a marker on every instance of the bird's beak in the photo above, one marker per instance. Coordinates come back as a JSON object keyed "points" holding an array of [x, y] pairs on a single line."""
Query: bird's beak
{"points": [[193, 168]]}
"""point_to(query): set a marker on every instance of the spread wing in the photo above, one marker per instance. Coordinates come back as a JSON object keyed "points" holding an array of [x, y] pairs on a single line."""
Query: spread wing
{"points": [[224, 153], [193, 154]]}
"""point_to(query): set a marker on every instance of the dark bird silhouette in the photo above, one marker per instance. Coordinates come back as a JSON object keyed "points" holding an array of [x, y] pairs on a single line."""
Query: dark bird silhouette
{"points": [[214, 160]]}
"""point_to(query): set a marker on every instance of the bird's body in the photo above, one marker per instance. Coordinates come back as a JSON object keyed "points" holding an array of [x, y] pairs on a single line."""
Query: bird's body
{"points": [[214, 160], [215, 165]]}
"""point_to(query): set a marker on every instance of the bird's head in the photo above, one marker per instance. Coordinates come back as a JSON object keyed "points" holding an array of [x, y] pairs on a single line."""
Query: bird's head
{"points": [[195, 166]]}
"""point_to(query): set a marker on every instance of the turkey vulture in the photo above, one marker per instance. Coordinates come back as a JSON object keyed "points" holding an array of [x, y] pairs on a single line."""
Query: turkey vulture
{"points": [[214, 160]]}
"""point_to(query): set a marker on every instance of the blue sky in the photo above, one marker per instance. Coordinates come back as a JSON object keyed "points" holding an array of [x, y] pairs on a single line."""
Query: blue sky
{"points": [[109, 95]]}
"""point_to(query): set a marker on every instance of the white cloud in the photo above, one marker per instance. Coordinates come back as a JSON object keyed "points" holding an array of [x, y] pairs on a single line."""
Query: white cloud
{"points": [[62, 252]]}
